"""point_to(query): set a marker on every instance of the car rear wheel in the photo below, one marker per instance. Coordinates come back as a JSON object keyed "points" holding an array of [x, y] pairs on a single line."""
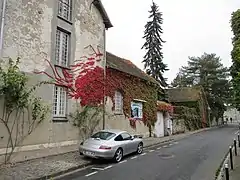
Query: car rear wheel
{"points": [[140, 148], [118, 155]]}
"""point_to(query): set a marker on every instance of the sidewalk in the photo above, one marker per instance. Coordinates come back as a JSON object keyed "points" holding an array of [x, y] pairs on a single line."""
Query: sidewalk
{"points": [[235, 173], [54, 165]]}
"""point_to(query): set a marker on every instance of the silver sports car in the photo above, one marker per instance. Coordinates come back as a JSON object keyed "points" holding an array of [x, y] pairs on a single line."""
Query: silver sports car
{"points": [[111, 144]]}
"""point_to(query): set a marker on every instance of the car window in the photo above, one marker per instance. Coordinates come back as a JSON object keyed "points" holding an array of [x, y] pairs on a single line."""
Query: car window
{"points": [[103, 135], [126, 136], [118, 138]]}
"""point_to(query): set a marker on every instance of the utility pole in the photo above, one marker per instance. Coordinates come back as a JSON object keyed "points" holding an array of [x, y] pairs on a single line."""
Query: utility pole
{"points": [[104, 78]]}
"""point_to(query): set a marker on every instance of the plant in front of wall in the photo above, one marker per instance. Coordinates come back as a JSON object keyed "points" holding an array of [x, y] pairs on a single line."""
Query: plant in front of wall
{"points": [[164, 107], [18, 99], [133, 88], [86, 118]]}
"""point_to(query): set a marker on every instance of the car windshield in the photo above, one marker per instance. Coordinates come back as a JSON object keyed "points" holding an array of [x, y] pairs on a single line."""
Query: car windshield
{"points": [[103, 135]]}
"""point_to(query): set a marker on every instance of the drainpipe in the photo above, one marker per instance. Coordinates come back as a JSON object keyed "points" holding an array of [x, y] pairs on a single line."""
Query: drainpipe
{"points": [[104, 77], [2, 25]]}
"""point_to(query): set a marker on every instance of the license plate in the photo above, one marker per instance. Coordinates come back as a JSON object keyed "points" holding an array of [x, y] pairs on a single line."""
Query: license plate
{"points": [[89, 153]]}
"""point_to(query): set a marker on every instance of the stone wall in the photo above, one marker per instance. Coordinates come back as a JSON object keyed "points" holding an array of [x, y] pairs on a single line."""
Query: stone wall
{"points": [[179, 126], [30, 33]]}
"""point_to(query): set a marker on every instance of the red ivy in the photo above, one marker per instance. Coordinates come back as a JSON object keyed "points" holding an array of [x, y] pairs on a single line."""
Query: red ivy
{"points": [[85, 81], [164, 107]]}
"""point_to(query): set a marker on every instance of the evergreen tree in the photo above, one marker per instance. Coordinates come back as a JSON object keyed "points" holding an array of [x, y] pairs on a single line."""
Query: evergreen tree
{"points": [[207, 71], [153, 59], [235, 68]]}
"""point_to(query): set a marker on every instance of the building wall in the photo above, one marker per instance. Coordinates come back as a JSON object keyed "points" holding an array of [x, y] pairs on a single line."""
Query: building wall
{"points": [[114, 121], [30, 33], [179, 126]]}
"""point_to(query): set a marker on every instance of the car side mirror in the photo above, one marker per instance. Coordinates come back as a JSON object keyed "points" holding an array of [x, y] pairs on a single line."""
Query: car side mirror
{"points": [[132, 137]]}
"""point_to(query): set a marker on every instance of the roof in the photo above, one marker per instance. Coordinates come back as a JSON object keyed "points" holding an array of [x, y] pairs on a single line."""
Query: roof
{"points": [[128, 67], [184, 94], [101, 9]]}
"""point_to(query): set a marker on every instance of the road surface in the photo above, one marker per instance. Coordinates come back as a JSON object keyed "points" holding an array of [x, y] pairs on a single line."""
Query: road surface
{"points": [[196, 157]]}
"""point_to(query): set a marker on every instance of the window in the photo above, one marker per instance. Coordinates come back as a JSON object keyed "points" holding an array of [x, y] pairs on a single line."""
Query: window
{"points": [[62, 48], [65, 9], [103, 135], [123, 137], [126, 136], [59, 101], [118, 138], [118, 102], [136, 110]]}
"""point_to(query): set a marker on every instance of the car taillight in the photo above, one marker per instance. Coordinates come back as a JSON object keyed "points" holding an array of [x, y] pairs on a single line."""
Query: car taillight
{"points": [[104, 147]]}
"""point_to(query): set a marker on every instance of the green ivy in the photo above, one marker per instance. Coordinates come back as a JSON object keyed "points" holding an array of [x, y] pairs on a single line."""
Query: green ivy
{"points": [[18, 97], [192, 120]]}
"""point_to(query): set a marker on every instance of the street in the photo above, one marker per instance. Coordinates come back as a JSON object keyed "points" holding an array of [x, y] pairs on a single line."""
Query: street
{"points": [[196, 157]]}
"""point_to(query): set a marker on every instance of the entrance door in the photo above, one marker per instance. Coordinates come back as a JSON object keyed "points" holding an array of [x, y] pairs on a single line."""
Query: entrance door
{"points": [[159, 125]]}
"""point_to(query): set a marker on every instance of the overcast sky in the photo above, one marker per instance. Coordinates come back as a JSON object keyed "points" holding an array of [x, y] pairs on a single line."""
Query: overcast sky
{"points": [[191, 27]]}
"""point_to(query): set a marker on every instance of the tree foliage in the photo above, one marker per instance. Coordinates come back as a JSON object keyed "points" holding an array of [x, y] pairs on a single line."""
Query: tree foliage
{"points": [[207, 71], [153, 59], [235, 68]]}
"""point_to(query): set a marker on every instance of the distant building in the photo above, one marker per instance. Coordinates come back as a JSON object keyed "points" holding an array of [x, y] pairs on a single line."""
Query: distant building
{"points": [[233, 113], [191, 97]]}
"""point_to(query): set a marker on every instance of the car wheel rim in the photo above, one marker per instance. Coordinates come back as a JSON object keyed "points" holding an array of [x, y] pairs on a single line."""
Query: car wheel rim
{"points": [[140, 148], [118, 155]]}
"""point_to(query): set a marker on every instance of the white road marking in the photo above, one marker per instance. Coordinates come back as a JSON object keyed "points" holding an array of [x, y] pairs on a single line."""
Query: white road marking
{"points": [[170, 144], [143, 154], [90, 174], [107, 167], [175, 142], [159, 147], [151, 150], [122, 161], [134, 157], [165, 146], [96, 168]]}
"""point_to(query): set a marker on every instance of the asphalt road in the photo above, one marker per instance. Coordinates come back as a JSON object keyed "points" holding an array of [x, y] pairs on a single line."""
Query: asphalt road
{"points": [[196, 157]]}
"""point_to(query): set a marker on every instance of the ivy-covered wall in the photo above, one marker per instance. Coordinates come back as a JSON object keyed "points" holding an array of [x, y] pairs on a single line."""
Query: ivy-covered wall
{"points": [[133, 88], [192, 119]]}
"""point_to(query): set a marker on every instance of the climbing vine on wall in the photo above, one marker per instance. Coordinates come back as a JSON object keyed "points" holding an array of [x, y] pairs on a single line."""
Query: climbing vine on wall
{"points": [[85, 81], [192, 119], [164, 107]]}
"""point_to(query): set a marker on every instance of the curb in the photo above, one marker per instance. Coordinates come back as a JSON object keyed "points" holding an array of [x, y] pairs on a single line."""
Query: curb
{"points": [[221, 169], [63, 172], [146, 147]]}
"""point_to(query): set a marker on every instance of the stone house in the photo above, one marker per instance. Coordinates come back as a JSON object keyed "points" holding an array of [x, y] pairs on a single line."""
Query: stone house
{"points": [[58, 32], [194, 100], [133, 96]]}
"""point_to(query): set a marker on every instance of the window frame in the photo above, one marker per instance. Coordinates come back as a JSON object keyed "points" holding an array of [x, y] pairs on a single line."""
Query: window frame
{"points": [[70, 9], [126, 139], [57, 103], [59, 51], [140, 103], [118, 108]]}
